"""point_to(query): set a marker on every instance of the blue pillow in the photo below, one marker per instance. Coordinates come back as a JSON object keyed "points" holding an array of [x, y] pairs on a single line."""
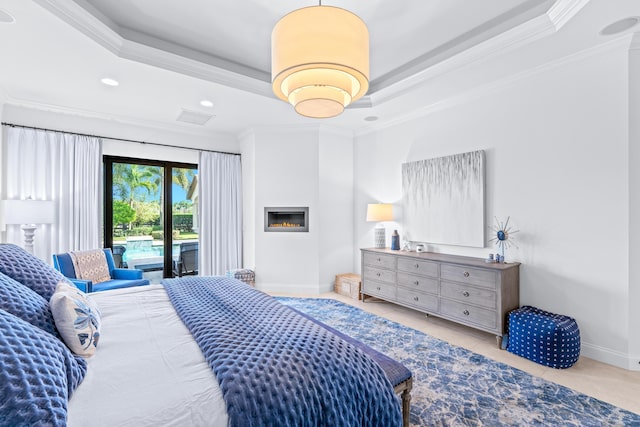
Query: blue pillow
{"points": [[29, 270], [24, 303], [38, 374]]}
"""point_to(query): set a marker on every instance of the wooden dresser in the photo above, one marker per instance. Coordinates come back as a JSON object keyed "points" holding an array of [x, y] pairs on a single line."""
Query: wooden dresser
{"points": [[462, 289]]}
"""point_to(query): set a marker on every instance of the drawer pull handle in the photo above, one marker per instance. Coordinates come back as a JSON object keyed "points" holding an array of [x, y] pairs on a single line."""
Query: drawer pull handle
{"points": [[417, 265], [466, 274], [415, 298], [378, 288], [417, 283], [465, 293], [466, 312]]}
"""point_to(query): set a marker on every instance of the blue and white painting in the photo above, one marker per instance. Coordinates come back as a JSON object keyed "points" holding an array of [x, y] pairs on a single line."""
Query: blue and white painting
{"points": [[443, 200]]}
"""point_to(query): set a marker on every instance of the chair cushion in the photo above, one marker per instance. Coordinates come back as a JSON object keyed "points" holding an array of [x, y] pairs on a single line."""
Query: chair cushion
{"points": [[24, 303], [91, 265], [117, 284], [77, 317], [38, 374], [29, 270]]}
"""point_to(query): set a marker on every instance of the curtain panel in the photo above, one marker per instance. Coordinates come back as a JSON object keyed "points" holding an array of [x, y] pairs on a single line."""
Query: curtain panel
{"points": [[220, 212], [64, 168]]}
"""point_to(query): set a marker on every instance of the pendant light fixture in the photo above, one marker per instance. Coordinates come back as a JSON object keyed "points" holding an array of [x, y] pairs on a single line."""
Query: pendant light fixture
{"points": [[320, 60]]}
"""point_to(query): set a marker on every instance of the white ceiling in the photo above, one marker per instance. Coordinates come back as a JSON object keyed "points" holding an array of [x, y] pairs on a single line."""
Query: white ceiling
{"points": [[169, 55]]}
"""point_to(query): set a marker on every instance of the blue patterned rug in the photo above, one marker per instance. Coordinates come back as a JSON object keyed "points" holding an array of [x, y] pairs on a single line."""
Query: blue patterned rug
{"points": [[453, 386]]}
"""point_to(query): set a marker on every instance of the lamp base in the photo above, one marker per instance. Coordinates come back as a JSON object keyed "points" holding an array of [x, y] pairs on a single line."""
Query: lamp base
{"points": [[380, 237], [29, 231]]}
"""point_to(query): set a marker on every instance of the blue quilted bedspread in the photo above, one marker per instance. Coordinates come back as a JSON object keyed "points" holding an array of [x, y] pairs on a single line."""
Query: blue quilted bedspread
{"points": [[274, 366]]}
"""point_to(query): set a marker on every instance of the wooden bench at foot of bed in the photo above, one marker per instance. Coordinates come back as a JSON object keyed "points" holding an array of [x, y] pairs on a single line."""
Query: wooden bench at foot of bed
{"points": [[399, 376]]}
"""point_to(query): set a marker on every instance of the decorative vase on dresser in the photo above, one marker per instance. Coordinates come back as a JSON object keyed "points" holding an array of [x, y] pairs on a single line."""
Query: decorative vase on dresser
{"points": [[462, 289]]}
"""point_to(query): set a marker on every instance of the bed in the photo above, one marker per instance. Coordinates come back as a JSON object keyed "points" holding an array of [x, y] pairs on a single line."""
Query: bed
{"points": [[196, 351]]}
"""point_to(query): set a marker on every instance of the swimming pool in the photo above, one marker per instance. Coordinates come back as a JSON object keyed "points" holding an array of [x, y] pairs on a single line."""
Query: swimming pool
{"points": [[137, 252]]}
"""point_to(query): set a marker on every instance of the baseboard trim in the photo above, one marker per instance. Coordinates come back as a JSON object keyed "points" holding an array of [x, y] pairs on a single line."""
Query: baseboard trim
{"points": [[611, 357]]}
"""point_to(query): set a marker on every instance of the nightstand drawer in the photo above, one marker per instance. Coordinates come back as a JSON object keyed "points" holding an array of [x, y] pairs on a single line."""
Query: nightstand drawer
{"points": [[416, 266], [418, 283], [378, 289], [473, 276], [380, 275], [418, 299], [379, 260], [469, 294], [468, 314]]}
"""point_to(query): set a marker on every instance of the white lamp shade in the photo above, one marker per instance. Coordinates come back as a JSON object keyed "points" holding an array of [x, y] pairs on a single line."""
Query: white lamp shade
{"points": [[28, 211], [320, 60], [378, 212]]}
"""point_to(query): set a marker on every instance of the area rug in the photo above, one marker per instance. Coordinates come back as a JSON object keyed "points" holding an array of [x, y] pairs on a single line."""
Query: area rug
{"points": [[453, 386]]}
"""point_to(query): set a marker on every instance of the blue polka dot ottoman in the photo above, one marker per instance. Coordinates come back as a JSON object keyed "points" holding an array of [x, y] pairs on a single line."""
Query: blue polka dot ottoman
{"points": [[546, 338]]}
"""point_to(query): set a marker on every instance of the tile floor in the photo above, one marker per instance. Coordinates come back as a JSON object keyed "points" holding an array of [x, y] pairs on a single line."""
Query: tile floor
{"points": [[617, 386]]}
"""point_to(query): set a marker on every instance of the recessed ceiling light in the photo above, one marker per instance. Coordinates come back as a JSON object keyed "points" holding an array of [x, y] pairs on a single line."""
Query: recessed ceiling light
{"points": [[109, 81], [620, 26], [6, 17], [206, 103], [371, 118]]}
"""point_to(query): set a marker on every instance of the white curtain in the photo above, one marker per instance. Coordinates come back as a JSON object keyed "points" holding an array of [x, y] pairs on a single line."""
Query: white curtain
{"points": [[220, 211], [64, 168]]}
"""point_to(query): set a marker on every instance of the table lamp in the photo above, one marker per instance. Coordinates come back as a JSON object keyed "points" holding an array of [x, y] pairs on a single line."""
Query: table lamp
{"points": [[29, 213], [379, 212]]}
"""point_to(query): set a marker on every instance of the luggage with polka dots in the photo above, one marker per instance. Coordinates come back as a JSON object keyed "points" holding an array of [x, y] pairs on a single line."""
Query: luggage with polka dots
{"points": [[546, 338]]}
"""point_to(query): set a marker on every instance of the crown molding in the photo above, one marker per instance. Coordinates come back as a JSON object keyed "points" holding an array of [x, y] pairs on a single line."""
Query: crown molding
{"points": [[492, 87], [131, 45], [135, 46], [634, 42], [563, 11], [289, 129], [544, 25], [180, 128]]}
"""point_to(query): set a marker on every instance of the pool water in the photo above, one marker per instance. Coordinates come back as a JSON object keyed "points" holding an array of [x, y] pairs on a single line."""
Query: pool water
{"points": [[146, 251]]}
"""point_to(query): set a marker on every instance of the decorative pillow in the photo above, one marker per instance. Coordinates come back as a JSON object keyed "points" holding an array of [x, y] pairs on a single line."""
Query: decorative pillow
{"points": [[38, 374], [29, 270], [77, 318], [24, 303], [91, 265]]}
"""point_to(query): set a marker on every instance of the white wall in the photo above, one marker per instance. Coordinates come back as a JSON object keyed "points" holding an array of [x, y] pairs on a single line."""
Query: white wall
{"points": [[335, 206], [286, 171], [556, 147], [634, 203], [247, 144], [301, 166], [193, 137]]}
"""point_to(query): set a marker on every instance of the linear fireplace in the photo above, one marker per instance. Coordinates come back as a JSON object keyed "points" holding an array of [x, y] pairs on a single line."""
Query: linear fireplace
{"points": [[286, 219]]}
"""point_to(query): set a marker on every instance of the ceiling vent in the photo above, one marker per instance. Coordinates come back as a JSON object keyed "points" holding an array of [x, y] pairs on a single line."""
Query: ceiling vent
{"points": [[194, 117]]}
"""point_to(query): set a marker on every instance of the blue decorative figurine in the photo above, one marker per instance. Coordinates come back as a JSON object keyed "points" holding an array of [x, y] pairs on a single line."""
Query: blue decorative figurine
{"points": [[395, 241]]}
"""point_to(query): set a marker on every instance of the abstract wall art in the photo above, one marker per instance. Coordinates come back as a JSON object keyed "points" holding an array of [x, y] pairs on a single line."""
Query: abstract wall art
{"points": [[443, 200]]}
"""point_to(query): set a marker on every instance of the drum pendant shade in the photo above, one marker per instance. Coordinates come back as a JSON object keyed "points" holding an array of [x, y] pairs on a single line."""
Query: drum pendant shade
{"points": [[320, 60]]}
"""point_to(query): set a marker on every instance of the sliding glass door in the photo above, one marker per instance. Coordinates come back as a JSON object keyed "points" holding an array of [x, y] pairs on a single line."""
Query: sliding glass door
{"points": [[150, 217]]}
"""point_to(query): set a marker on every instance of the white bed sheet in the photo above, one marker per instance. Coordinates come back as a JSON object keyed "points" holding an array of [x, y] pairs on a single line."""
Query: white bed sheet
{"points": [[147, 370]]}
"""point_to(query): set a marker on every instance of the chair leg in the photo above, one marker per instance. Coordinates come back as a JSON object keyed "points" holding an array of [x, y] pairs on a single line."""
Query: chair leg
{"points": [[406, 408]]}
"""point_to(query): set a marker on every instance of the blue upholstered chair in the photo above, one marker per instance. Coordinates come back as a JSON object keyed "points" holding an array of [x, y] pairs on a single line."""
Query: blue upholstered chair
{"points": [[120, 277]]}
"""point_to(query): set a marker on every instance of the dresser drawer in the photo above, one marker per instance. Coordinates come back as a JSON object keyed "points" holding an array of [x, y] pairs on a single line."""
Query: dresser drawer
{"points": [[418, 283], [417, 266], [466, 313], [469, 294], [380, 275], [378, 289], [473, 276], [379, 260], [418, 299]]}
